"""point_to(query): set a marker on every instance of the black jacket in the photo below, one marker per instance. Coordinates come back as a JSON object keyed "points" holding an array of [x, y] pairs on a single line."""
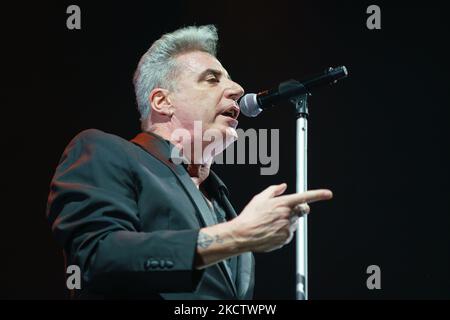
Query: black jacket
{"points": [[129, 218]]}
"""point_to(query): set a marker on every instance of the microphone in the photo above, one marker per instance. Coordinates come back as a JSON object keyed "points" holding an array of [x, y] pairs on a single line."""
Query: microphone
{"points": [[252, 104]]}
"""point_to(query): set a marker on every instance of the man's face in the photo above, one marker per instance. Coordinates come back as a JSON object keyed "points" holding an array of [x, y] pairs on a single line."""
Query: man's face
{"points": [[206, 94]]}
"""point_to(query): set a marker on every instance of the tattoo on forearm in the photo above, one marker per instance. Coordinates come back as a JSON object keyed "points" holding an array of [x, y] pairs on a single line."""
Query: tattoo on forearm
{"points": [[205, 240], [219, 240]]}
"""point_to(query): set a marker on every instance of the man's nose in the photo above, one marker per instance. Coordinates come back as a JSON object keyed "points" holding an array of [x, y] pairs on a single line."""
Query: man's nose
{"points": [[234, 91]]}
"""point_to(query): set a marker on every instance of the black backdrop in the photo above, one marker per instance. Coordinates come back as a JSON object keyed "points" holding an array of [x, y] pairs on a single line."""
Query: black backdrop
{"points": [[378, 139]]}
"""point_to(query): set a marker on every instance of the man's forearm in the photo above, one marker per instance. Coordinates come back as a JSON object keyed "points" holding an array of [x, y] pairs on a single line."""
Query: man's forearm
{"points": [[216, 243]]}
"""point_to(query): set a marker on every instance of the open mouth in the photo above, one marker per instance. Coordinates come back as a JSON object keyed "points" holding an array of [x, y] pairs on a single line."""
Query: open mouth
{"points": [[232, 112]]}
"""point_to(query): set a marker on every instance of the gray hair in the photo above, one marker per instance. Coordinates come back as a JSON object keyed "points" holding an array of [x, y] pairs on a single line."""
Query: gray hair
{"points": [[158, 68]]}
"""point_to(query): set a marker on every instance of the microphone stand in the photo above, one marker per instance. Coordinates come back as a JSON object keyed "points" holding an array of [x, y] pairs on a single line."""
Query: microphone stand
{"points": [[301, 109], [299, 93]]}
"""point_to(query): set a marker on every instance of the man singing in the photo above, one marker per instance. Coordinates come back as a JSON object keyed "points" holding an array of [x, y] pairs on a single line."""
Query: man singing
{"points": [[141, 224]]}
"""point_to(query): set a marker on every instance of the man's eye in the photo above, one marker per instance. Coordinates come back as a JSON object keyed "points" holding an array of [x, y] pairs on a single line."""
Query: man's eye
{"points": [[212, 79]]}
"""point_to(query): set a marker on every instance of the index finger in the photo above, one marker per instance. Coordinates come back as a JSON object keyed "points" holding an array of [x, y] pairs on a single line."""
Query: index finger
{"points": [[291, 200]]}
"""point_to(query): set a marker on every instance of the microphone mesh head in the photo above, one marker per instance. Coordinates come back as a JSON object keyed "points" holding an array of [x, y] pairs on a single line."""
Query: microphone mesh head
{"points": [[249, 105]]}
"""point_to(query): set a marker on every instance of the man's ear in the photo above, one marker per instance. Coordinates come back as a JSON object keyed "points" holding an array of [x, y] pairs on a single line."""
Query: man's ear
{"points": [[160, 102]]}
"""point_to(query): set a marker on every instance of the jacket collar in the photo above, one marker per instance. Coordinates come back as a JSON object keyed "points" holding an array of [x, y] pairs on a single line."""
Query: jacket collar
{"points": [[164, 149]]}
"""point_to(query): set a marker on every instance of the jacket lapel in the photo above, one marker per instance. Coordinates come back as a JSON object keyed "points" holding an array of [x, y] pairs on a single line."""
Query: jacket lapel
{"points": [[245, 260], [162, 149]]}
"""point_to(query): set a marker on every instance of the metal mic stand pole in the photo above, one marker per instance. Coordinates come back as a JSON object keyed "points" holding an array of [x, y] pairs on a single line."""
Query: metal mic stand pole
{"points": [[301, 108]]}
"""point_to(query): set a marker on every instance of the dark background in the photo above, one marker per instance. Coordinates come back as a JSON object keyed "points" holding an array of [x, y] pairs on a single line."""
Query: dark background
{"points": [[378, 139]]}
